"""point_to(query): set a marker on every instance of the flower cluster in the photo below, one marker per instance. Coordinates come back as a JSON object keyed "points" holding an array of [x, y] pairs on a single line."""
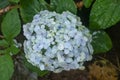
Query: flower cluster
{"points": [[57, 42]]}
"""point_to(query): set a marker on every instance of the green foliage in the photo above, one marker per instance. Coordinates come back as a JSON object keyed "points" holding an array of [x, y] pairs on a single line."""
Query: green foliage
{"points": [[101, 42], [8, 48], [64, 5], [104, 14], [14, 1], [13, 50], [54, 3], [87, 3], [11, 25], [31, 7], [4, 43], [3, 3], [35, 69], [43, 4], [6, 67]]}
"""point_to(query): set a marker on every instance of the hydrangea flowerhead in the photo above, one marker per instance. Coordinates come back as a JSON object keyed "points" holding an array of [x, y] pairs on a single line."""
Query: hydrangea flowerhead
{"points": [[57, 42]]}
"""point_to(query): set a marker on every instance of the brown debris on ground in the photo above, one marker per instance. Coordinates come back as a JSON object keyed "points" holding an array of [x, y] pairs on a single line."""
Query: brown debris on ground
{"points": [[102, 70]]}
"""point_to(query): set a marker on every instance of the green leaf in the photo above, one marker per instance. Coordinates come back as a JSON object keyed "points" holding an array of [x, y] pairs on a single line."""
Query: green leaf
{"points": [[14, 1], [43, 4], [4, 43], [35, 69], [87, 3], [101, 42], [31, 7], [13, 50], [54, 4], [64, 5], [6, 67], [11, 25], [2, 51], [3, 3], [104, 14]]}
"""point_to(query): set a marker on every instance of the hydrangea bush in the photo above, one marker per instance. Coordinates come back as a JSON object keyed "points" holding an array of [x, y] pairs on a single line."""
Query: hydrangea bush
{"points": [[54, 41], [57, 42]]}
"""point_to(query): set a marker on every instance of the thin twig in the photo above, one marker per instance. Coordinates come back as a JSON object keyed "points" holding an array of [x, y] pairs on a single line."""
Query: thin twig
{"points": [[6, 9]]}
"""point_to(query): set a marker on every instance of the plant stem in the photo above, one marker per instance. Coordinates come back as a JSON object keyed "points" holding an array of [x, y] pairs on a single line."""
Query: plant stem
{"points": [[6, 9]]}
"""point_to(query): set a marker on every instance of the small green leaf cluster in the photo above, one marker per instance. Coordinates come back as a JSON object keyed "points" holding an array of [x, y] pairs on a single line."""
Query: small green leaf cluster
{"points": [[10, 28], [103, 14]]}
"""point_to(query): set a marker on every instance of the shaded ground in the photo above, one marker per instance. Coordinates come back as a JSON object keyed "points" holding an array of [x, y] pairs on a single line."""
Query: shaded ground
{"points": [[67, 75]]}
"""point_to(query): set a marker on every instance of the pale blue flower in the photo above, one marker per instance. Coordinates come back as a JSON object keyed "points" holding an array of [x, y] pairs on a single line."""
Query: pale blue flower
{"points": [[57, 42], [61, 46], [69, 46], [69, 60], [66, 51], [66, 37], [42, 66], [60, 58]]}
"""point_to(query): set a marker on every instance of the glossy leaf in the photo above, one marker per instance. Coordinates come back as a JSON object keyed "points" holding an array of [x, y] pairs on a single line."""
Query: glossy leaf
{"points": [[64, 5], [101, 42], [87, 3], [11, 25], [31, 7], [104, 14], [6, 67]]}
